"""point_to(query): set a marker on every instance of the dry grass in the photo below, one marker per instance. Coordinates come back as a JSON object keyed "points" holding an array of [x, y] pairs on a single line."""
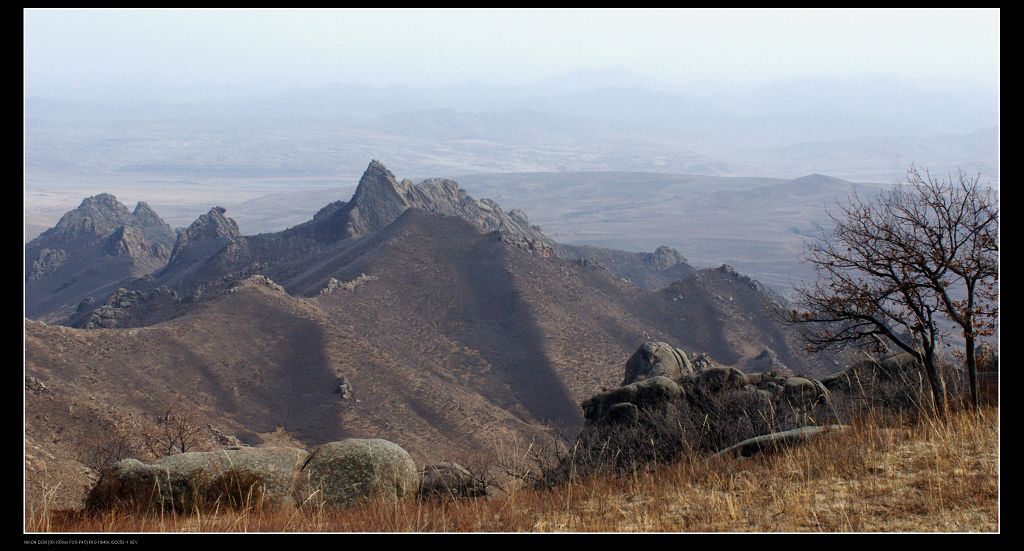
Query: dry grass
{"points": [[879, 476]]}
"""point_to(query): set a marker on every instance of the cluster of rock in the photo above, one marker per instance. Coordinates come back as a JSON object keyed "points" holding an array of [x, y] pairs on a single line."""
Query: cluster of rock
{"points": [[450, 480], [661, 380], [754, 284], [93, 249], [646, 270], [336, 474], [258, 280], [334, 284], [205, 236], [663, 258], [345, 389], [118, 309], [131, 241], [33, 384], [49, 261]]}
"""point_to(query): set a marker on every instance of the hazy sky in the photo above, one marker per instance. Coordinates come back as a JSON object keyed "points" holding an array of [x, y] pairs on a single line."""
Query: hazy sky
{"points": [[191, 54]]}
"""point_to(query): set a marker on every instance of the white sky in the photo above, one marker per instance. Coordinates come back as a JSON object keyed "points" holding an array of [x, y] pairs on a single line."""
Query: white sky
{"points": [[187, 54]]}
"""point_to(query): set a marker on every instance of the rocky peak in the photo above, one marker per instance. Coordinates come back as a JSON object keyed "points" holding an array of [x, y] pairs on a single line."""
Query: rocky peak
{"points": [[378, 201], [103, 201], [446, 197], [208, 234], [148, 218], [212, 224], [97, 215], [663, 258]]}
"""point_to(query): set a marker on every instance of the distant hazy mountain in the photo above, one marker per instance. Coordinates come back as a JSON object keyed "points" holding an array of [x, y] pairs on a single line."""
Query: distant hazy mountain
{"points": [[592, 119]]}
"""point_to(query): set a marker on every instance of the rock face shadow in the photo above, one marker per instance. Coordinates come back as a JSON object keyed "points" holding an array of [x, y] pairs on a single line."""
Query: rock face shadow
{"points": [[498, 310]]}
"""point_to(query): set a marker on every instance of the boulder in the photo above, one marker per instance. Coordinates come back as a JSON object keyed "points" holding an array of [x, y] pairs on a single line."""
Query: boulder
{"points": [[230, 478], [770, 443], [647, 393], [345, 473], [657, 358], [717, 379], [803, 392], [450, 480], [624, 412]]}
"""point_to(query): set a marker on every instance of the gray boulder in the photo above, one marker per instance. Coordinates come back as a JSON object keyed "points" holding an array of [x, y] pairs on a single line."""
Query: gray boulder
{"points": [[345, 473], [717, 379], [230, 478], [804, 393], [770, 443], [647, 393], [657, 358], [450, 480]]}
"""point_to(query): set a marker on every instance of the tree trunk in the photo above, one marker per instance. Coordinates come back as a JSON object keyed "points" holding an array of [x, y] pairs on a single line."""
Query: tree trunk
{"points": [[935, 379], [972, 369]]}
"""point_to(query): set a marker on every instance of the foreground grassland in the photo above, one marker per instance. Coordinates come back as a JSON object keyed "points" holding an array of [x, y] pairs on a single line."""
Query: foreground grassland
{"points": [[879, 476]]}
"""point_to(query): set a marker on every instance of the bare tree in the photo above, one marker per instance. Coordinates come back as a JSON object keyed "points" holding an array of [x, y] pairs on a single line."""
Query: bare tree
{"points": [[173, 433], [958, 253], [893, 266]]}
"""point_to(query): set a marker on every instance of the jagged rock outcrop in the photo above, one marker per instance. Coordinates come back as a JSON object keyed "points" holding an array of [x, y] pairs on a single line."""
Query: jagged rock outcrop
{"points": [[345, 389], [122, 307], [49, 261], [663, 258], [341, 474], [257, 280], [148, 218], [446, 197], [91, 250], [131, 241], [754, 284], [646, 270], [334, 284], [380, 199], [450, 480], [204, 237], [33, 384]]}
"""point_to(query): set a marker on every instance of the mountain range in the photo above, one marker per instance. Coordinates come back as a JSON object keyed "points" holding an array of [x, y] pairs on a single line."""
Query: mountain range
{"points": [[455, 324]]}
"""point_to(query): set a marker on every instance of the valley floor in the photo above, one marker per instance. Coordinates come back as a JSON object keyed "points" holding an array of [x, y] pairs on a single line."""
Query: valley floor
{"points": [[928, 476]]}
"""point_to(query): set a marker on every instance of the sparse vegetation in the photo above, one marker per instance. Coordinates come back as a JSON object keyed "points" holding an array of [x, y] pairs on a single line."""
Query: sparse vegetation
{"points": [[884, 474], [174, 432]]}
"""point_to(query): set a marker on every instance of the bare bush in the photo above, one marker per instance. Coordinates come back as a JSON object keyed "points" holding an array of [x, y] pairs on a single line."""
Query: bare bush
{"points": [[174, 432]]}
